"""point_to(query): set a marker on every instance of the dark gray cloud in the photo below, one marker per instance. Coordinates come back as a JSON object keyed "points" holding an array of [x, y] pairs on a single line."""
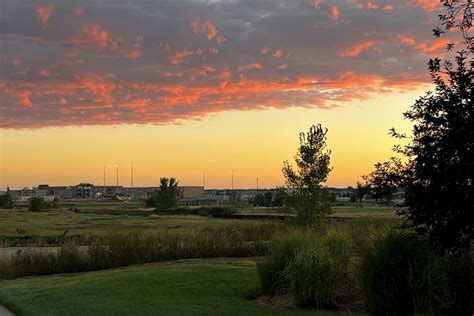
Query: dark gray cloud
{"points": [[117, 62]]}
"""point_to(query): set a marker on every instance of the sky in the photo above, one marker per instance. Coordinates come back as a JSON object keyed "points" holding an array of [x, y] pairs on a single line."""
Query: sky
{"points": [[187, 87]]}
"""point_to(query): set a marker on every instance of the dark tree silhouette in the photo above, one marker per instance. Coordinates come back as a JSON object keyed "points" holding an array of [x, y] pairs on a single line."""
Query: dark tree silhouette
{"points": [[167, 195], [362, 190], [437, 173]]}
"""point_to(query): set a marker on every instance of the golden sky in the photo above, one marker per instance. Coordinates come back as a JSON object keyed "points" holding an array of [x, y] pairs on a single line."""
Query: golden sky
{"points": [[253, 144]]}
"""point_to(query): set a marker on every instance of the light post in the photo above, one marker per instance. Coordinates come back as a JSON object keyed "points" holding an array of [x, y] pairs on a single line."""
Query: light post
{"points": [[203, 180], [103, 194], [232, 180], [131, 180], [116, 188], [257, 185]]}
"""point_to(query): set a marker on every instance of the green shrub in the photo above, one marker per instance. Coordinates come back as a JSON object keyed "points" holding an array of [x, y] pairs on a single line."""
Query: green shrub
{"points": [[317, 271], [36, 204], [282, 251], [403, 274], [385, 270]]}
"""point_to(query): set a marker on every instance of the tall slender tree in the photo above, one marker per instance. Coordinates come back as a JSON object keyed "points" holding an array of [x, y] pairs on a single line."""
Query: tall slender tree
{"points": [[306, 194]]}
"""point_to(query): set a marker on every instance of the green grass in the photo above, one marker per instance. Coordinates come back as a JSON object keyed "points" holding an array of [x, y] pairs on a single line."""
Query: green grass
{"points": [[55, 222], [364, 212], [191, 287]]}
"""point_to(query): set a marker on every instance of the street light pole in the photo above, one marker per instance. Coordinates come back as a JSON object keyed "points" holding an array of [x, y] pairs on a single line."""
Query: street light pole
{"points": [[104, 184], [232, 180], [203, 180], [116, 188], [257, 185], [131, 180]]}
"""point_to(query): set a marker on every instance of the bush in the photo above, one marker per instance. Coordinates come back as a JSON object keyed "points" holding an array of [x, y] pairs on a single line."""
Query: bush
{"points": [[317, 271], [403, 274], [282, 252], [386, 265], [36, 204]]}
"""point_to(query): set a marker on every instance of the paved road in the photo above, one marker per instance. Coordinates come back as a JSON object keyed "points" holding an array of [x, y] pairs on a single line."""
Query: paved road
{"points": [[5, 312]]}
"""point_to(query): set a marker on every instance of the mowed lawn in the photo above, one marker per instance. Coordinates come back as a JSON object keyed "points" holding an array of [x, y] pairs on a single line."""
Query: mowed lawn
{"points": [[191, 287]]}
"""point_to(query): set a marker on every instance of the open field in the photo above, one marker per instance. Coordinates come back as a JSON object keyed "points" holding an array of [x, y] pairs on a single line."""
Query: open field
{"points": [[188, 287], [56, 222]]}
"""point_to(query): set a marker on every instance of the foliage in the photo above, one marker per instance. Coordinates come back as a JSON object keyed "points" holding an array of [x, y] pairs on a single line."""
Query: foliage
{"points": [[235, 199], [36, 204], [167, 195], [362, 190], [383, 181], [128, 249], [437, 174], [283, 250], [307, 197], [385, 268], [402, 274], [6, 200], [318, 270]]}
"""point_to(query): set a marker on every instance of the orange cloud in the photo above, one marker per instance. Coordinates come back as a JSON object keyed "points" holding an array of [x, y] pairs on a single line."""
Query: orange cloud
{"points": [[251, 66], [335, 12], [407, 40], [429, 5], [207, 29], [357, 49], [24, 97], [264, 50], [278, 54], [43, 13], [96, 35], [435, 46]]}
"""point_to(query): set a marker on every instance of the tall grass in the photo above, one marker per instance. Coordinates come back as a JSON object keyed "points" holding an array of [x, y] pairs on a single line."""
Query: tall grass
{"points": [[282, 251], [402, 274], [308, 264], [317, 271], [124, 250]]}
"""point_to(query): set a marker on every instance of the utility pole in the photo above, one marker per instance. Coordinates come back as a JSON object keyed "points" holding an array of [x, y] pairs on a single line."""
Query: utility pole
{"points": [[257, 185], [203, 180], [232, 180], [131, 180]]}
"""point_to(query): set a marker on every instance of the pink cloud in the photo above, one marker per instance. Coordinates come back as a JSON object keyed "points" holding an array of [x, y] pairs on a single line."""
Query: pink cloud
{"points": [[207, 29], [278, 54], [96, 35], [251, 66], [429, 5], [264, 50], [357, 49], [43, 13], [335, 12]]}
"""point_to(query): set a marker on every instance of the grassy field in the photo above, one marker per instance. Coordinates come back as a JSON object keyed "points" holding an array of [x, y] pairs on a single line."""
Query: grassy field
{"points": [[56, 222], [191, 287]]}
